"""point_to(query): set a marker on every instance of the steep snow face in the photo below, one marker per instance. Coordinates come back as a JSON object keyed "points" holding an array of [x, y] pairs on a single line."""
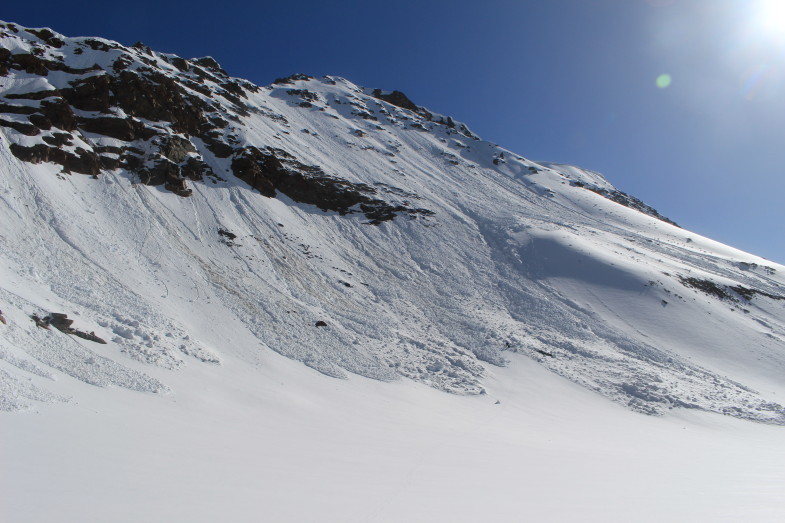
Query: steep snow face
{"points": [[185, 217]]}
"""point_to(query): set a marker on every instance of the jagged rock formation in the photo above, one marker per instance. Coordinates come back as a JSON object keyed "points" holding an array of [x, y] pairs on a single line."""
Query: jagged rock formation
{"points": [[625, 199], [158, 117], [61, 322]]}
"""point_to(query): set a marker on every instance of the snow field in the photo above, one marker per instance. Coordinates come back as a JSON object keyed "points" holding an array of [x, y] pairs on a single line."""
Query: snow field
{"points": [[279, 442]]}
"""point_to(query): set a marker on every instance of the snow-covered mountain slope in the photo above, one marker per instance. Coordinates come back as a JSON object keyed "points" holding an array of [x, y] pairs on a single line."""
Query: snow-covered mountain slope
{"points": [[187, 218]]}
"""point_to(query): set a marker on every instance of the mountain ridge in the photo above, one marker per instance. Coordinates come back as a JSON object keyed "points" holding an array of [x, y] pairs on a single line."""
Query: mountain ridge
{"points": [[346, 228]]}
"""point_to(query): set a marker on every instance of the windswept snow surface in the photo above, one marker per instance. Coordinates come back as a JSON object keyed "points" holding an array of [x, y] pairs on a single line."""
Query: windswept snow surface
{"points": [[215, 395], [278, 442]]}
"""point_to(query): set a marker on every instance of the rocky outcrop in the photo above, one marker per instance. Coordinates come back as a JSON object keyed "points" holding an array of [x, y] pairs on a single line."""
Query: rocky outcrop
{"points": [[32, 64], [175, 117], [176, 148], [732, 293], [125, 129], [81, 161], [259, 170], [27, 129], [399, 99], [288, 80], [146, 96], [396, 98], [275, 170], [621, 198], [307, 97], [62, 323]]}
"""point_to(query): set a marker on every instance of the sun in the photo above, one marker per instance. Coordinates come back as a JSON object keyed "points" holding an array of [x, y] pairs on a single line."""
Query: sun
{"points": [[771, 17]]}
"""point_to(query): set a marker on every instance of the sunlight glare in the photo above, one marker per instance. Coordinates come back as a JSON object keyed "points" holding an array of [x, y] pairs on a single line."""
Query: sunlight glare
{"points": [[771, 17]]}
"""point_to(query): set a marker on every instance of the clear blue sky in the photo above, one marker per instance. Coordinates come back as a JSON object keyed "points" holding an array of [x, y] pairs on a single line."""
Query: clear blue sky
{"points": [[573, 81]]}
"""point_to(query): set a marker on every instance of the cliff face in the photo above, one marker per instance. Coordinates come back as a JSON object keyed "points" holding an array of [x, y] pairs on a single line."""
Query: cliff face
{"points": [[156, 116], [185, 216]]}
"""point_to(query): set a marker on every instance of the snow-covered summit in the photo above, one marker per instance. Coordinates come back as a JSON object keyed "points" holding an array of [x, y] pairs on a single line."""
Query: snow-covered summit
{"points": [[188, 218]]}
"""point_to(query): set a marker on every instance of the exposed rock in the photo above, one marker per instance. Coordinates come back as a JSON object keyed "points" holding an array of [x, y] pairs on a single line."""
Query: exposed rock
{"points": [[305, 95], [168, 110], [98, 45], [48, 37], [396, 98], [85, 162], [58, 139], [179, 187], [17, 109], [631, 202], [204, 75], [467, 133], [32, 64], [235, 88], [156, 97], [167, 173], [259, 170], [59, 321], [29, 63], [126, 129], [59, 113], [210, 63], [139, 46], [164, 171], [132, 161], [5, 54], [227, 237], [180, 63], [275, 170], [40, 121], [176, 148], [730, 293], [216, 145], [293, 78], [195, 169], [227, 234], [42, 323], [24, 128], [62, 323], [122, 63]]}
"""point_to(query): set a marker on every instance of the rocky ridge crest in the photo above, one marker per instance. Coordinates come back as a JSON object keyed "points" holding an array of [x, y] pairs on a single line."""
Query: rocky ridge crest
{"points": [[162, 118]]}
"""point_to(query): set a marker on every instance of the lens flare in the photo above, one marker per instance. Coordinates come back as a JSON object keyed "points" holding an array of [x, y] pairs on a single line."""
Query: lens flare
{"points": [[663, 81]]}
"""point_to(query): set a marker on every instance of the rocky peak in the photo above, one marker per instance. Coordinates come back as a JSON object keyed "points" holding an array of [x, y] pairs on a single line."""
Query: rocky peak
{"points": [[169, 121], [161, 118], [396, 98]]}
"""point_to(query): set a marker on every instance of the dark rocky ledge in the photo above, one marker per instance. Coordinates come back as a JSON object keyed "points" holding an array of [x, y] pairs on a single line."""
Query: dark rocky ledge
{"points": [[163, 112], [62, 323], [275, 170], [289, 80], [633, 203], [399, 99], [731, 293], [82, 161], [396, 98], [625, 199]]}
